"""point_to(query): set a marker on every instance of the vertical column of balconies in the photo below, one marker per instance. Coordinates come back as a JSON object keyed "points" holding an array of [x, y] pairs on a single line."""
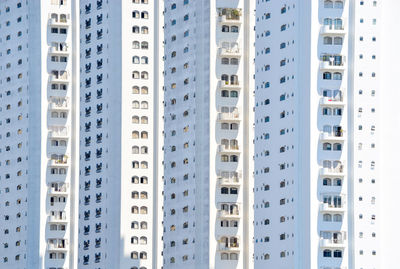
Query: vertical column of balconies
{"points": [[58, 144], [332, 138], [229, 119]]}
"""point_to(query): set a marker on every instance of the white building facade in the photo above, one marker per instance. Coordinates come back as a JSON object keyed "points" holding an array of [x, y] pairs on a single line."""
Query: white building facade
{"points": [[208, 134], [42, 151], [120, 219], [320, 145], [79, 158]]}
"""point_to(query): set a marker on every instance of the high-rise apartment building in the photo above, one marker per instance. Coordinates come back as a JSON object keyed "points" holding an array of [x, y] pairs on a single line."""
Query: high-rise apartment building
{"points": [[120, 216], [14, 109], [208, 99], [80, 111], [201, 134], [322, 85], [39, 134]]}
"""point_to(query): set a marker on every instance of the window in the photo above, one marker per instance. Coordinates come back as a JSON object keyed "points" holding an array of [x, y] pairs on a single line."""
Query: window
{"points": [[327, 253]]}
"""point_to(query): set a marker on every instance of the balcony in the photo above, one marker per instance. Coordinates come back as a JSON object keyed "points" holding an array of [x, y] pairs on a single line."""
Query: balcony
{"points": [[58, 191], [229, 16], [228, 149], [57, 121], [229, 248], [60, 162], [56, 247], [59, 105], [333, 136], [325, 207], [229, 178], [229, 52], [223, 181], [59, 22], [332, 101], [223, 214], [332, 65], [57, 263], [55, 50], [333, 30], [229, 85], [330, 171], [58, 133], [59, 78], [332, 243], [57, 219], [229, 116]]}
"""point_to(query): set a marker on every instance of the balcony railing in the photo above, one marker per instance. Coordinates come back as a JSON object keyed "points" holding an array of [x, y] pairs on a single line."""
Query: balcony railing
{"points": [[336, 136], [332, 101], [332, 243], [61, 132], [229, 247], [62, 161], [332, 170], [59, 22], [228, 148], [229, 85], [333, 29], [62, 218], [59, 78], [59, 190], [332, 65], [56, 246], [56, 50], [229, 52], [225, 214], [55, 105], [332, 207], [229, 116]]}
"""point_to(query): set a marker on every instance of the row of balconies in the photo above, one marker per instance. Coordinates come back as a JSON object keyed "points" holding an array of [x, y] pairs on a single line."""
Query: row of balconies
{"points": [[333, 203], [229, 16], [58, 107]]}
